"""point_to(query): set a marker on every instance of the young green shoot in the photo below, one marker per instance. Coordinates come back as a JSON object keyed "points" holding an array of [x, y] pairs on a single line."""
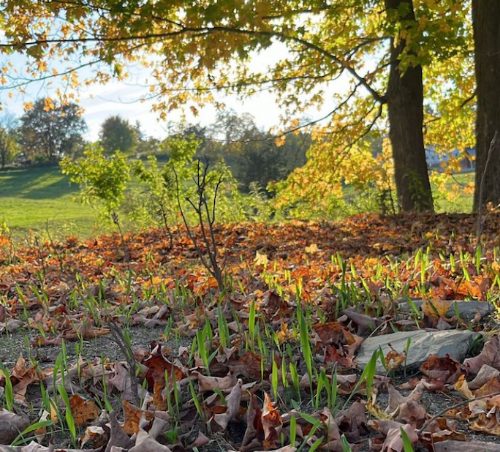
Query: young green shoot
{"points": [[8, 390]]}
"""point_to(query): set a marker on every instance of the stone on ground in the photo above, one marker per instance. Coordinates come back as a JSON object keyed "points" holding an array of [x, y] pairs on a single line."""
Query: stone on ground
{"points": [[455, 343]]}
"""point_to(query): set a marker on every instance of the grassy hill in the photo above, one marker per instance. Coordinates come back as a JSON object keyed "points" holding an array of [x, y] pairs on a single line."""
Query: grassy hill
{"points": [[41, 199]]}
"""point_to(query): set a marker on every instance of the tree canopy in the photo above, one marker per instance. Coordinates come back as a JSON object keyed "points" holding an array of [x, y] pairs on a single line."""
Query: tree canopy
{"points": [[395, 55], [49, 131], [117, 134]]}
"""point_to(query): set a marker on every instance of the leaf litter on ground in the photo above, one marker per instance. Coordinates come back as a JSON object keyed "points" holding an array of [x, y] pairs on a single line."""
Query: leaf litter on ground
{"points": [[268, 364]]}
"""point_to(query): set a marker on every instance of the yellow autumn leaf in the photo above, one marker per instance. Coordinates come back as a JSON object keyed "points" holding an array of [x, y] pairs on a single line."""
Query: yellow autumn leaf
{"points": [[48, 104], [312, 249], [260, 259]]}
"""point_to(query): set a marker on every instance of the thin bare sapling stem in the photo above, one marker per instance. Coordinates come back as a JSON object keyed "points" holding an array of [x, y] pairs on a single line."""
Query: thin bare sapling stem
{"points": [[205, 214]]}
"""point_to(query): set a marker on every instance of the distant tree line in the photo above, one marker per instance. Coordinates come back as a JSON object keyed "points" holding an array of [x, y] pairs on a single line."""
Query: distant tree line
{"points": [[47, 132], [252, 154]]}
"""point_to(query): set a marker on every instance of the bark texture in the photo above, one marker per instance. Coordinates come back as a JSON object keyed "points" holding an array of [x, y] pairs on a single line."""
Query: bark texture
{"points": [[405, 103], [486, 24]]}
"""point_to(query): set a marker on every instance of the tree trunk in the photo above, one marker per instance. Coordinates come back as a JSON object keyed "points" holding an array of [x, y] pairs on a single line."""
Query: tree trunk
{"points": [[405, 103], [486, 25]]}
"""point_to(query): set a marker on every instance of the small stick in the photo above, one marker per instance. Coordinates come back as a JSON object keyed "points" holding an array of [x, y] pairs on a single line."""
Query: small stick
{"points": [[457, 405]]}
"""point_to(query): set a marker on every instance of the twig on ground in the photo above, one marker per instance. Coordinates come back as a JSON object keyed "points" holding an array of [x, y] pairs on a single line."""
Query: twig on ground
{"points": [[457, 405]]}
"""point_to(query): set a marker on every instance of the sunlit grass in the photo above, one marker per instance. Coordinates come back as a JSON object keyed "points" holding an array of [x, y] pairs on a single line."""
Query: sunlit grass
{"points": [[42, 199]]}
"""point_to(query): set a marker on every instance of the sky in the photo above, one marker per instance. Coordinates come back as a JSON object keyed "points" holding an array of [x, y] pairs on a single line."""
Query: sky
{"points": [[122, 98]]}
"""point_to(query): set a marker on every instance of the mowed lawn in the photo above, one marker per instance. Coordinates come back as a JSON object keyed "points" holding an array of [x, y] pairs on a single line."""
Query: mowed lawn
{"points": [[42, 199]]}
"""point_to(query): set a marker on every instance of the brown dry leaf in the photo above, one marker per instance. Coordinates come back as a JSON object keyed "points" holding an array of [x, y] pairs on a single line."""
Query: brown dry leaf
{"points": [[463, 388], [260, 260], [332, 355], [490, 387], [200, 441], [441, 429], [145, 443], [353, 422], [133, 416], [487, 422], [332, 332], [393, 359], [157, 365], [406, 409], [211, 383], [447, 369], [281, 449], [374, 409], [35, 447], [117, 436], [311, 249], [248, 365], [395, 400], [84, 411], [285, 334], [95, 435], [233, 405], [412, 413], [485, 374], [24, 376], [394, 442], [254, 420], [384, 426], [328, 421], [271, 423], [346, 383], [490, 355], [122, 381], [10, 425], [363, 322]]}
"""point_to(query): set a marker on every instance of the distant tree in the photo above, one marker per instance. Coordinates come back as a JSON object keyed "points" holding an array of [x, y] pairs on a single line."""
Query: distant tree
{"points": [[49, 132], [8, 139], [250, 152], [146, 145], [117, 134]]}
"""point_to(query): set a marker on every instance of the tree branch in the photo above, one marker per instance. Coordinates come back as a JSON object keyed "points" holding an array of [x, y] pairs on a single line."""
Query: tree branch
{"points": [[204, 31]]}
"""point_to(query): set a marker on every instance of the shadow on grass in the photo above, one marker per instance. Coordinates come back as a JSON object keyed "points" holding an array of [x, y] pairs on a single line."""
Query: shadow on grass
{"points": [[35, 183]]}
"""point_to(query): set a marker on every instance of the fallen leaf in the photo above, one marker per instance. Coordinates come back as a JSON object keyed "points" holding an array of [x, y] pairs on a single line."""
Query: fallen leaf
{"points": [[232, 404], [394, 441], [10, 425], [490, 355], [133, 416], [84, 411], [271, 423], [446, 369], [260, 259]]}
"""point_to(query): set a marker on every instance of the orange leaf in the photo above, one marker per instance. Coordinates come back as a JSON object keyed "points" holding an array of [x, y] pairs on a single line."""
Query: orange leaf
{"points": [[84, 411]]}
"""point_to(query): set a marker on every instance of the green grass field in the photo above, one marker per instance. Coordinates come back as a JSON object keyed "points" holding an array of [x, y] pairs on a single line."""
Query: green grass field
{"points": [[42, 199]]}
